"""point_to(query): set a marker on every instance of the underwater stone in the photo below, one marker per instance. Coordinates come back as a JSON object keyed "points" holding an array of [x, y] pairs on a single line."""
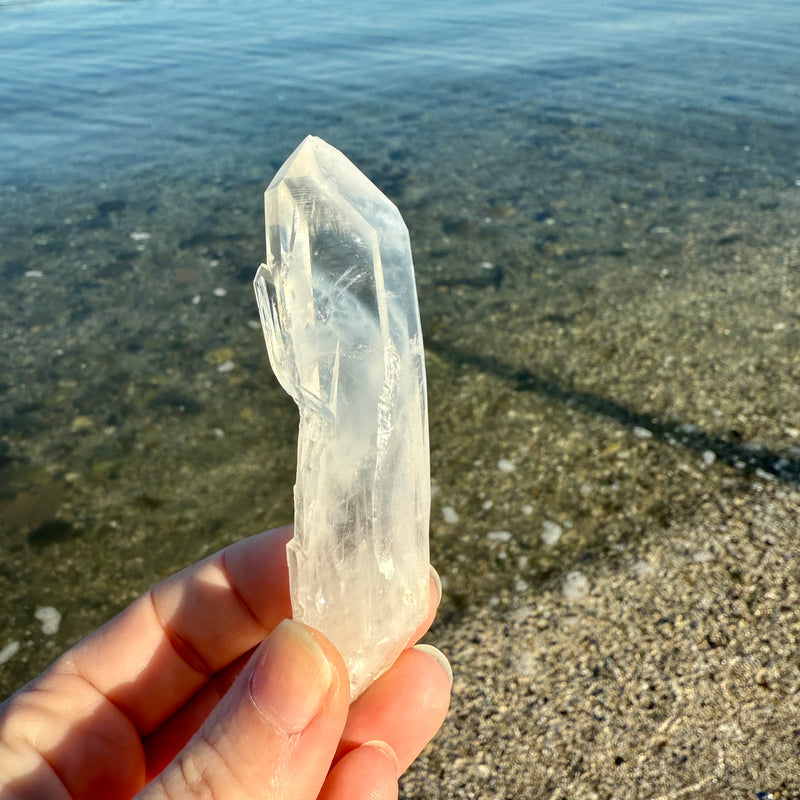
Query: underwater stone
{"points": [[50, 619], [339, 310]]}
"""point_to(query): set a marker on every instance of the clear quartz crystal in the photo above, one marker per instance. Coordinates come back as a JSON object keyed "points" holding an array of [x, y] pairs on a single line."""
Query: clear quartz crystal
{"points": [[338, 306]]}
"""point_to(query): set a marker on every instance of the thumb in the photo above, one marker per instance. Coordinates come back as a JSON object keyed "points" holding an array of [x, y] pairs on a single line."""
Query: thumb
{"points": [[274, 733]]}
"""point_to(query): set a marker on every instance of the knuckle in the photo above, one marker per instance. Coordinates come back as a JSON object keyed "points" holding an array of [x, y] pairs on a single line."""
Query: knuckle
{"points": [[195, 775], [200, 772]]}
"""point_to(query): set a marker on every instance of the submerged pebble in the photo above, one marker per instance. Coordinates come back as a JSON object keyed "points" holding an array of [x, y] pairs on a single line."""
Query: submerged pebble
{"points": [[450, 515], [8, 652], [81, 423], [709, 457], [551, 532], [50, 618]]}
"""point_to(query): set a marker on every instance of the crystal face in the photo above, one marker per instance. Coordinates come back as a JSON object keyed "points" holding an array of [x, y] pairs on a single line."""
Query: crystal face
{"points": [[338, 306]]}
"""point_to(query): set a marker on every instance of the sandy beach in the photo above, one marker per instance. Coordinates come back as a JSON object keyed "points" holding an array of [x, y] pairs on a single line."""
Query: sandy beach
{"points": [[674, 675]]}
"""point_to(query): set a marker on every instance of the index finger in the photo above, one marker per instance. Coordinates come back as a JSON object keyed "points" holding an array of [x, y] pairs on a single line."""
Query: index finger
{"points": [[154, 656]]}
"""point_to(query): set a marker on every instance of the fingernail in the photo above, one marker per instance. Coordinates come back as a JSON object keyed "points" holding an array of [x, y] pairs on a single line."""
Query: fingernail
{"points": [[291, 679], [437, 582], [384, 748], [439, 657]]}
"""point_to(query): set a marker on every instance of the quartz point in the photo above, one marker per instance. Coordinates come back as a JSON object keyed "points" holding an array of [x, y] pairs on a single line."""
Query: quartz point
{"points": [[338, 306]]}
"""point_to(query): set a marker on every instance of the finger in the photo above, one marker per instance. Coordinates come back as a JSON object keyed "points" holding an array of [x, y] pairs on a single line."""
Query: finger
{"points": [[59, 738], [82, 719], [367, 773], [274, 733], [163, 744], [165, 741], [162, 649], [404, 707]]}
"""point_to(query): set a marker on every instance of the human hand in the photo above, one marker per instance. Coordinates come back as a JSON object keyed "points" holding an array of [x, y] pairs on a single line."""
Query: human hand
{"points": [[182, 696]]}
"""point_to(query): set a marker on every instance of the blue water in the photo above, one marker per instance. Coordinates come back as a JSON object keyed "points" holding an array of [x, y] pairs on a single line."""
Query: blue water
{"points": [[89, 89]]}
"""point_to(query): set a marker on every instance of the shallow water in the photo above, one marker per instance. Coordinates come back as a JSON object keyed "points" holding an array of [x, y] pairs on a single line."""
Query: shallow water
{"points": [[604, 202]]}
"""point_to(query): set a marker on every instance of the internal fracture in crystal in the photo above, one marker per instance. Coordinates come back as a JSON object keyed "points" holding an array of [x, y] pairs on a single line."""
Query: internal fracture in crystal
{"points": [[339, 310]]}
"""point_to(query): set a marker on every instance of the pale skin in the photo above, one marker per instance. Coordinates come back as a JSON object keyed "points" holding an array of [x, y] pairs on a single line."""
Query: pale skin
{"points": [[203, 688]]}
